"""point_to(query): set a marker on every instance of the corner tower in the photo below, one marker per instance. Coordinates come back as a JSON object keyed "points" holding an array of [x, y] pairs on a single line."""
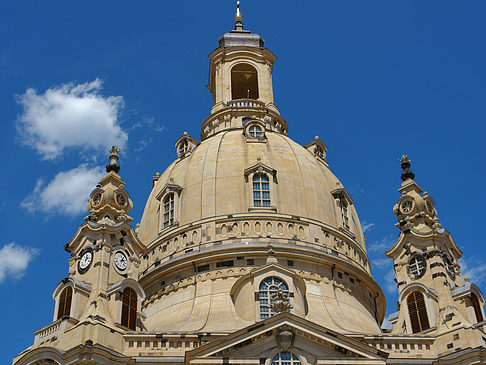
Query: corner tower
{"points": [[433, 298]]}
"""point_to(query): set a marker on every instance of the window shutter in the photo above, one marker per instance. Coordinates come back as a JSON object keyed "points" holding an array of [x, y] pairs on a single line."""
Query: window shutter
{"points": [[418, 312], [129, 309], [65, 299]]}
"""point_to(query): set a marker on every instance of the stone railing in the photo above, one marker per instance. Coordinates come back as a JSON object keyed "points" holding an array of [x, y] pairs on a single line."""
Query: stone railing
{"points": [[245, 103], [160, 344], [53, 330], [403, 346]]}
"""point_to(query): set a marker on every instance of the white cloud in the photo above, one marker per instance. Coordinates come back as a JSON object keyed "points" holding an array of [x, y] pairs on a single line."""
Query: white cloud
{"points": [[382, 245], [390, 284], [474, 268], [70, 116], [14, 260], [381, 263], [66, 194], [366, 226]]}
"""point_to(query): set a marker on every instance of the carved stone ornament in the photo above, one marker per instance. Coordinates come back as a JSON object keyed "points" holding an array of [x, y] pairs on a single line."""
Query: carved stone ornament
{"points": [[285, 339], [280, 302]]}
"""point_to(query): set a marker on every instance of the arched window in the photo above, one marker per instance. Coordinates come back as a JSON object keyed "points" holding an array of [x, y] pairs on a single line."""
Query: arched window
{"points": [[268, 287], [129, 309], [168, 210], [261, 190], [285, 358], [244, 82], [477, 307], [65, 299], [255, 131], [417, 311]]}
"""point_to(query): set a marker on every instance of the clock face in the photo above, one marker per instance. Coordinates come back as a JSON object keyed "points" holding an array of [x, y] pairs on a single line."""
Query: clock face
{"points": [[406, 206], [85, 261], [120, 260]]}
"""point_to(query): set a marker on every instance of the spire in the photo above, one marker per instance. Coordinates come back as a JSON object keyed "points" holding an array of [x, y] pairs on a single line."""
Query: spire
{"points": [[405, 164], [113, 165], [238, 17]]}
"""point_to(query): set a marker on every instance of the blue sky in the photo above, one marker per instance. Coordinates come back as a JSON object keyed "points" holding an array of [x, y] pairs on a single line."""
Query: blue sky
{"points": [[373, 79]]}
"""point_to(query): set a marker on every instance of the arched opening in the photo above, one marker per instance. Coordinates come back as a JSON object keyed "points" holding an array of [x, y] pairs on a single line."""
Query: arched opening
{"points": [[417, 311], [477, 307], [65, 299], [268, 288], [129, 309], [244, 82]]}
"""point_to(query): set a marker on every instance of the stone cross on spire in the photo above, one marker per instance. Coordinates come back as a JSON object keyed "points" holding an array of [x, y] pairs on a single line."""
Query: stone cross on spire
{"points": [[113, 165], [405, 164]]}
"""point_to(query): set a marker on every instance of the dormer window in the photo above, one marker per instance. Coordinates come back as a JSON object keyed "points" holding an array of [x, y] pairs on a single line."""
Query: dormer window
{"points": [[262, 183], [254, 131], [244, 82], [318, 149], [169, 198], [185, 145], [343, 201]]}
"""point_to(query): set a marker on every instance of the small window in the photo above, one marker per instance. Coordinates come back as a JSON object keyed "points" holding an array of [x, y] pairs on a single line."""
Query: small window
{"points": [[319, 151], [477, 308], [344, 214], [168, 210], [261, 190], [129, 309], [255, 131], [183, 148], [268, 287], [417, 311], [65, 299], [285, 358], [417, 266], [225, 264]]}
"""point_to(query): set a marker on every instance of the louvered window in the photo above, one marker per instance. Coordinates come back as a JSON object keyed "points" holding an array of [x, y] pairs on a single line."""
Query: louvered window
{"points": [[417, 312], [65, 299], [129, 309], [261, 191], [477, 308]]}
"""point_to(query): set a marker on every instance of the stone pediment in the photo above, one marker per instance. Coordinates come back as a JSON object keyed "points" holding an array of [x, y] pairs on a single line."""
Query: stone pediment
{"points": [[311, 343]]}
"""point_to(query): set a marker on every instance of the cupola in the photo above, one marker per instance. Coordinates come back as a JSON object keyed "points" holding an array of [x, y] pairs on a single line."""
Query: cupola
{"points": [[240, 81]]}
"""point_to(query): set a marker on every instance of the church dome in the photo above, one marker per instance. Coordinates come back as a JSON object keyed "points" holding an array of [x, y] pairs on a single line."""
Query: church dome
{"points": [[248, 223]]}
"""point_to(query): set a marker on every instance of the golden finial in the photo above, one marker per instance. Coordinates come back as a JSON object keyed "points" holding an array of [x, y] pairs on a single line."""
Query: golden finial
{"points": [[238, 16]]}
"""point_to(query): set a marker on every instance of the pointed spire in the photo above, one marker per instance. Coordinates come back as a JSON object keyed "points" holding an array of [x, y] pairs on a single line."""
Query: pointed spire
{"points": [[113, 166], [405, 164], [238, 17]]}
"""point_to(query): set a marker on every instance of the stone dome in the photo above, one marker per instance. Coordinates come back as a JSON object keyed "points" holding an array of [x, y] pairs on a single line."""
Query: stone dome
{"points": [[214, 184]]}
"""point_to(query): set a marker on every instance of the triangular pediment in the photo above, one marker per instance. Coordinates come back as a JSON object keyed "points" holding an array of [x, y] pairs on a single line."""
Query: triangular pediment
{"points": [[286, 332]]}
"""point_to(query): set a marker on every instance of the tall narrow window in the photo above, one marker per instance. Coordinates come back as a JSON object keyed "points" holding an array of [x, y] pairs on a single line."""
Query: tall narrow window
{"points": [[285, 358], [344, 213], [261, 190], [477, 308], [244, 82], [129, 309], [269, 287], [65, 299], [417, 312], [169, 210]]}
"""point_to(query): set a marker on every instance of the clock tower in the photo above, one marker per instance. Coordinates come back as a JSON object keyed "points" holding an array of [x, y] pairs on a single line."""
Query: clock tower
{"points": [[433, 298], [101, 293]]}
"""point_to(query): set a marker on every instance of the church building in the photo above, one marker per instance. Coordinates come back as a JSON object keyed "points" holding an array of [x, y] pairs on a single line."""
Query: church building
{"points": [[250, 251]]}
